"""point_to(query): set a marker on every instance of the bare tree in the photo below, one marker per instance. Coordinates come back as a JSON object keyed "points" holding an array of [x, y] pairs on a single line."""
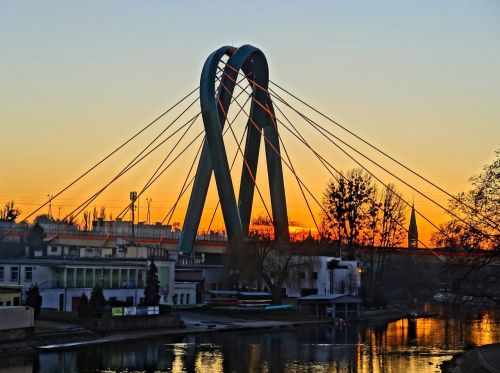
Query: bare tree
{"points": [[86, 222], [478, 233], [264, 263], [345, 202], [9, 212]]}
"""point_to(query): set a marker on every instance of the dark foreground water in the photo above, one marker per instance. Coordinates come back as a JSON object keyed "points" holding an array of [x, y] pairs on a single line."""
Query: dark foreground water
{"points": [[401, 346]]}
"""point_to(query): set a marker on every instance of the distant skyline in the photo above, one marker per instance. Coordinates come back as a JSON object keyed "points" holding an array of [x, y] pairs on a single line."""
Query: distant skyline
{"points": [[419, 79]]}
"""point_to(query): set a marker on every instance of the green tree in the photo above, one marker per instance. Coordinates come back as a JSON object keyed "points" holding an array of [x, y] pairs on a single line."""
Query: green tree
{"points": [[84, 307], [152, 289], [97, 302], [9, 212], [34, 299]]}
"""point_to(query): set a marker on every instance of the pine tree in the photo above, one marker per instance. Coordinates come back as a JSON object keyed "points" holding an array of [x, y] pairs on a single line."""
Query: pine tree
{"points": [[97, 302], [34, 299], [152, 289], [83, 308]]}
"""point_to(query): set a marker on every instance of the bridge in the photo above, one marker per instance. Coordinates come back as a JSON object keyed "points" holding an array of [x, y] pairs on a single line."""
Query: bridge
{"points": [[235, 90]]}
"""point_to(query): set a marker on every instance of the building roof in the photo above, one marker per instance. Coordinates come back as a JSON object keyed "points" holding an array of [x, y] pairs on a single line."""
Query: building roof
{"points": [[62, 262], [330, 298], [10, 288]]}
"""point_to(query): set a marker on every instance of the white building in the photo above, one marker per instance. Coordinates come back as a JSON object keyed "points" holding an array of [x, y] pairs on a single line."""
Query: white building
{"points": [[321, 275], [62, 281], [184, 293]]}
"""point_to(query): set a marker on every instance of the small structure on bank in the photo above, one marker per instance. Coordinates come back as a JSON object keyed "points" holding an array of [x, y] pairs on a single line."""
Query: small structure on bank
{"points": [[330, 306], [243, 300]]}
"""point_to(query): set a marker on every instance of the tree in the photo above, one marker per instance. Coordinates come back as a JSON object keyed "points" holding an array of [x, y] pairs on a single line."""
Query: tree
{"points": [[477, 231], [9, 212], [152, 289], [345, 201], [264, 263], [86, 223], [97, 302], [34, 299], [35, 237], [83, 308], [477, 228], [386, 229]]}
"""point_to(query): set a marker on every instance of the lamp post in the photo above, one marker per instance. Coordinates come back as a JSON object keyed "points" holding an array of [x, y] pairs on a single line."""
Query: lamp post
{"points": [[133, 197]]}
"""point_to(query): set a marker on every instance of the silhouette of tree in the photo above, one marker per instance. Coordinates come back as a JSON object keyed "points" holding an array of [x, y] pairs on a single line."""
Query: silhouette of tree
{"points": [[35, 238], [345, 201], [34, 299], [84, 307], [476, 275], [479, 231], [9, 212], [97, 302], [264, 263], [152, 289]]}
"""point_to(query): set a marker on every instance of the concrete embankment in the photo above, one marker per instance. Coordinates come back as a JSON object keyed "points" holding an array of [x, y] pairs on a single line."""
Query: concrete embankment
{"points": [[194, 322], [482, 359]]}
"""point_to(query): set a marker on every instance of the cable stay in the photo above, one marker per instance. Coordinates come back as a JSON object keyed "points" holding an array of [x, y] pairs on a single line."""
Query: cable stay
{"points": [[109, 155], [314, 124], [471, 208], [273, 93], [319, 204], [158, 173], [137, 159]]}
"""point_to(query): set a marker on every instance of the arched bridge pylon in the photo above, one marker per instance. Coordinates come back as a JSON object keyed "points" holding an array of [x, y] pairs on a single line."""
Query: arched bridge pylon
{"points": [[214, 106]]}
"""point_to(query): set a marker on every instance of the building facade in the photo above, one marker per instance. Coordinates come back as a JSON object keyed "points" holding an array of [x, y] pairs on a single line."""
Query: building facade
{"points": [[62, 281]]}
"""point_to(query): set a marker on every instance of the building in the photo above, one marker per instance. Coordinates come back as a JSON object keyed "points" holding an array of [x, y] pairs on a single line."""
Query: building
{"points": [[330, 306], [412, 230], [63, 280], [321, 275], [10, 295]]}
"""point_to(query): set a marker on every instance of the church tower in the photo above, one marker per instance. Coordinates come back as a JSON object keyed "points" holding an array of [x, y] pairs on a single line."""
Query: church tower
{"points": [[412, 230]]}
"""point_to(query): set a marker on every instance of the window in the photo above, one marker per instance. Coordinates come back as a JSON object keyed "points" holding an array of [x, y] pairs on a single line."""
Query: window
{"points": [[187, 298], [1, 303], [182, 298], [16, 301], [1, 273], [302, 275], [175, 299], [53, 249], [28, 274], [14, 273], [314, 275]]}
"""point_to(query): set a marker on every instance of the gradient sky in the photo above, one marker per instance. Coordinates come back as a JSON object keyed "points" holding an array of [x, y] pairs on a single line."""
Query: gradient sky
{"points": [[419, 79]]}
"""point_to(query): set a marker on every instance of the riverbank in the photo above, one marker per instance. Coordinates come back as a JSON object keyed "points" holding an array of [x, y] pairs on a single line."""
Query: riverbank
{"points": [[51, 335], [479, 359]]}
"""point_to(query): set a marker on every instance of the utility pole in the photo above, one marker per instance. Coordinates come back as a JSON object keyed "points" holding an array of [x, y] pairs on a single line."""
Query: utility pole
{"points": [[50, 205], [148, 216], [133, 197]]}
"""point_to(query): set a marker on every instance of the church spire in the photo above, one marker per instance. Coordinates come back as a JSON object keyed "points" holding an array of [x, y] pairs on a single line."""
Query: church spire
{"points": [[412, 230]]}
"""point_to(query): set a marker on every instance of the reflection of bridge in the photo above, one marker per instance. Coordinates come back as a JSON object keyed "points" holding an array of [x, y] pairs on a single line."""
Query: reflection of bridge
{"points": [[235, 87]]}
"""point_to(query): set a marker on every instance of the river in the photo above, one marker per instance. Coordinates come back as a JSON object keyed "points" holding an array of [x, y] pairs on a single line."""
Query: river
{"points": [[401, 346]]}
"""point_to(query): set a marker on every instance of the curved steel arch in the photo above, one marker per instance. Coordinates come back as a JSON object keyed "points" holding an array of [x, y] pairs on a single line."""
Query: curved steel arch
{"points": [[254, 65]]}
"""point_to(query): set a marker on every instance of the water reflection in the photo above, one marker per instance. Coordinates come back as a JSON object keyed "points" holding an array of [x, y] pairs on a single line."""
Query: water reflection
{"points": [[404, 345]]}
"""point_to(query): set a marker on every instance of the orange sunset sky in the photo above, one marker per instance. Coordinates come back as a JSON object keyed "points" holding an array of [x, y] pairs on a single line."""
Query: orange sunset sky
{"points": [[418, 79]]}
